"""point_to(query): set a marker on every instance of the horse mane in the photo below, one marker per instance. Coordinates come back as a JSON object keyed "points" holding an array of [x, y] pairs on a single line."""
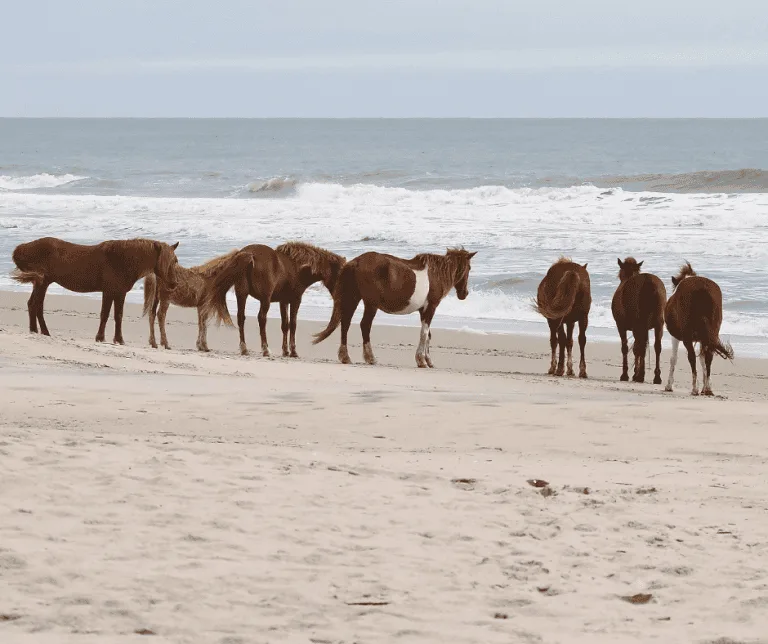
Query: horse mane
{"points": [[564, 260], [212, 265], [318, 259], [445, 265], [138, 242], [686, 270]]}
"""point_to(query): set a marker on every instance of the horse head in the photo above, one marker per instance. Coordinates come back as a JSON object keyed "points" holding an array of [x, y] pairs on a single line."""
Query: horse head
{"points": [[463, 266], [165, 265], [628, 268], [685, 271], [332, 271]]}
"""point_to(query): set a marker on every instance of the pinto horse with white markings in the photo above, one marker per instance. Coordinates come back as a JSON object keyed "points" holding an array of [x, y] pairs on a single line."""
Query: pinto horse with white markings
{"points": [[693, 314], [397, 286]]}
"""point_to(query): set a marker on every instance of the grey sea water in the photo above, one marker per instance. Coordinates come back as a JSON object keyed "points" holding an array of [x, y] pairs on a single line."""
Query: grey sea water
{"points": [[519, 191]]}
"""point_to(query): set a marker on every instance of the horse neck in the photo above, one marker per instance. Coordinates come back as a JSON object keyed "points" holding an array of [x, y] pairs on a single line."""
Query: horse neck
{"points": [[442, 271]]}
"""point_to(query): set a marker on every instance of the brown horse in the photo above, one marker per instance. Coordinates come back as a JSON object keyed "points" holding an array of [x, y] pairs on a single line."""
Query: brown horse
{"points": [[638, 306], [564, 298], [694, 313], [189, 292], [398, 286], [111, 267], [280, 275]]}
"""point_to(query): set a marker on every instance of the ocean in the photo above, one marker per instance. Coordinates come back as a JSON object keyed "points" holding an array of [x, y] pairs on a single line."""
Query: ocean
{"points": [[521, 192]]}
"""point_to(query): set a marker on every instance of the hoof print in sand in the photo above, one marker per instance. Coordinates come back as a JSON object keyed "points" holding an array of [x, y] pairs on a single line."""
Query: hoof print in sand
{"points": [[639, 598]]}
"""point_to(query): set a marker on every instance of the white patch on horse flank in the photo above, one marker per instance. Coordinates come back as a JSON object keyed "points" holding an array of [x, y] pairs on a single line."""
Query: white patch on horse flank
{"points": [[420, 292]]}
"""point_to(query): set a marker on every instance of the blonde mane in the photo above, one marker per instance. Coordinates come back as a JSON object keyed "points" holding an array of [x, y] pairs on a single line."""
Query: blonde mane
{"points": [[318, 259]]}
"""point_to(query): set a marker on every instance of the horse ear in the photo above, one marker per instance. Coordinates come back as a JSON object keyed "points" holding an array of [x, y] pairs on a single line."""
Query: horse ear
{"points": [[640, 264], [471, 255], [675, 281], [175, 246], [621, 264], [585, 265]]}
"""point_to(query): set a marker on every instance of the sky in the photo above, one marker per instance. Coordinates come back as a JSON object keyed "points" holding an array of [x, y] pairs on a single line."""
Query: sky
{"points": [[392, 58]]}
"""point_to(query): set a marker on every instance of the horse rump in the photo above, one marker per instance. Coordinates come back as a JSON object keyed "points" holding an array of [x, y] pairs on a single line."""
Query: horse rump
{"points": [[564, 299], [239, 265], [344, 286]]}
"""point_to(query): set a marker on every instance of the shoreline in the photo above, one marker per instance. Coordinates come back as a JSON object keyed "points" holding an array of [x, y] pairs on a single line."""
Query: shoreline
{"points": [[746, 347]]}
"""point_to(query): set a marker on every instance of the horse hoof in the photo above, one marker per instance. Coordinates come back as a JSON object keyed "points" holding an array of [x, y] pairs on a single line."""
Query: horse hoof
{"points": [[638, 379], [583, 375], [694, 392], [668, 388], [345, 361], [153, 345], [266, 354], [559, 372], [707, 392], [98, 339], [429, 364], [624, 378], [166, 346], [294, 354], [286, 354], [244, 352], [657, 380], [570, 373], [551, 372]]}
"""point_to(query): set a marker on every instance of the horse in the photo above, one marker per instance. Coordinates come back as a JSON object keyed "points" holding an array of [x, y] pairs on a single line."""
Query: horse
{"points": [[111, 267], [694, 313], [189, 292], [564, 298], [397, 286], [280, 275], [638, 306]]}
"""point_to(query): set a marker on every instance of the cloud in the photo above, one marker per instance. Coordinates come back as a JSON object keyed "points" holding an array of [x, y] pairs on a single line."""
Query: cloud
{"points": [[475, 60]]}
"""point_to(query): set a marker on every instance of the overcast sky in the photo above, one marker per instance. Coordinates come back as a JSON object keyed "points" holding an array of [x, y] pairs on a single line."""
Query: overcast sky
{"points": [[390, 58]]}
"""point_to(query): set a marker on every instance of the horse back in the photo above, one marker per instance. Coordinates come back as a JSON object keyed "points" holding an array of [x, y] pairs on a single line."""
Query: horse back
{"points": [[386, 281], [696, 300]]}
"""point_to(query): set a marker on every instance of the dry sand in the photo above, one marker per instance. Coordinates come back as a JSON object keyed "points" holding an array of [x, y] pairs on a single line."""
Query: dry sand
{"points": [[216, 498]]}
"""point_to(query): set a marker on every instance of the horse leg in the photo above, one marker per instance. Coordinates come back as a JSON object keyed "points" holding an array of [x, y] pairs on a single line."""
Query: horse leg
{"points": [[421, 350], [242, 296], [347, 311], [284, 326], [152, 316], [294, 317], [202, 330], [583, 324], [641, 343], [553, 346], [561, 340], [706, 369], [658, 332], [40, 301], [688, 344], [672, 363], [426, 355], [32, 308], [624, 353], [119, 304], [164, 304], [569, 349], [106, 306], [365, 327], [263, 310]]}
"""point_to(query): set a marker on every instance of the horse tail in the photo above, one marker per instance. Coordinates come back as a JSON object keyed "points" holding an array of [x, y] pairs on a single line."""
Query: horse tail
{"points": [[25, 272], [712, 341], [344, 285], [27, 277], [215, 298], [150, 289], [562, 302]]}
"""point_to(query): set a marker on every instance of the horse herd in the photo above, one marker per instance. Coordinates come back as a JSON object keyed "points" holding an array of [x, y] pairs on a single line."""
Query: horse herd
{"points": [[398, 286]]}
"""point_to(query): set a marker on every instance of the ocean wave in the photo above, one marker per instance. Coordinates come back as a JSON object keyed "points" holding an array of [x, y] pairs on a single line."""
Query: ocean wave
{"points": [[37, 181], [272, 186], [704, 181]]}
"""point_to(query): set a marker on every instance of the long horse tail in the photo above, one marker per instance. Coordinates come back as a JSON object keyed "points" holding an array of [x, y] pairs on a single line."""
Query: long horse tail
{"points": [[230, 271], [344, 285], [150, 289], [713, 342], [562, 302]]}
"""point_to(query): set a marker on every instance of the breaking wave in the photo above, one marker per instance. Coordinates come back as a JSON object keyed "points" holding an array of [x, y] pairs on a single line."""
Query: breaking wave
{"points": [[704, 181], [37, 181]]}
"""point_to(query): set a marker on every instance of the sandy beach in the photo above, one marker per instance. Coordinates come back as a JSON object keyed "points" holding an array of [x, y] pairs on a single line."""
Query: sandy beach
{"points": [[173, 496]]}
